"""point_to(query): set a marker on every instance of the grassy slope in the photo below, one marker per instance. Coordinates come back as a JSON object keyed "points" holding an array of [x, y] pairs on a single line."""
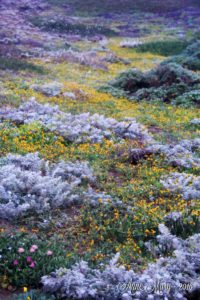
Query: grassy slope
{"points": [[123, 6]]}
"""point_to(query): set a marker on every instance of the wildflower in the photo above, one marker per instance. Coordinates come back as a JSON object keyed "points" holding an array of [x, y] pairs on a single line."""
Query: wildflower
{"points": [[25, 289], [29, 259], [116, 214], [32, 265], [28, 298], [21, 250], [49, 252], [33, 248], [22, 229], [15, 262]]}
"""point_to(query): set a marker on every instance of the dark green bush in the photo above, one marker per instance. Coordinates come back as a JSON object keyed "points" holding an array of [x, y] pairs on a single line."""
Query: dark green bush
{"points": [[166, 82], [165, 94], [188, 99], [196, 35], [115, 92], [189, 58]]}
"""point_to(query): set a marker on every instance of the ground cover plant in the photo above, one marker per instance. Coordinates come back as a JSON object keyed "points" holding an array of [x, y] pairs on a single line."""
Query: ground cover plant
{"points": [[99, 150]]}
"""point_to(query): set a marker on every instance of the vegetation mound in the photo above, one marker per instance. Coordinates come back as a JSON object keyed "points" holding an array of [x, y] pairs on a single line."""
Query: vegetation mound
{"points": [[189, 58], [167, 82]]}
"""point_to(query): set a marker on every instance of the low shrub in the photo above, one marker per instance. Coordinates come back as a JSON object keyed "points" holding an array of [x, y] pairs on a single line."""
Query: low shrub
{"points": [[189, 58], [29, 184], [183, 154], [188, 99], [115, 92], [75, 128], [185, 184], [166, 83]]}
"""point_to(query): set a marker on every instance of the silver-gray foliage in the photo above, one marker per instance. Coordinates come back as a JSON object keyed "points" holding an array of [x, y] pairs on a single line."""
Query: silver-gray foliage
{"points": [[182, 154], [50, 89], [185, 184], [75, 128], [28, 183], [195, 121]]}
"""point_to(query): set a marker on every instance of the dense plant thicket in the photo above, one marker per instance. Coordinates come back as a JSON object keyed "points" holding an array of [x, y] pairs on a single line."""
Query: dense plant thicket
{"points": [[167, 82], [189, 58]]}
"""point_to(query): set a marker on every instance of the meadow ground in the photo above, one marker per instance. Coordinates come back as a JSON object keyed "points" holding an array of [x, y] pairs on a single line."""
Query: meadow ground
{"points": [[38, 55]]}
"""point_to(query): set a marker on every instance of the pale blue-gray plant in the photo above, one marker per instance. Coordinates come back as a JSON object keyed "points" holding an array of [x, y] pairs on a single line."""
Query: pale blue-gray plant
{"points": [[76, 128], [30, 184], [187, 185], [183, 154]]}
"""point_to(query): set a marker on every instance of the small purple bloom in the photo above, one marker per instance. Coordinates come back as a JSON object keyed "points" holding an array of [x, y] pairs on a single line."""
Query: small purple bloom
{"points": [[29, 259], [32, 265], [15, 262]]}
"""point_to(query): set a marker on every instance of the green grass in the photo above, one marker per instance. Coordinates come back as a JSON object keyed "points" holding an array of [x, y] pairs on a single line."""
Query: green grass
{"points": [[165, 48], [10, 63]]}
